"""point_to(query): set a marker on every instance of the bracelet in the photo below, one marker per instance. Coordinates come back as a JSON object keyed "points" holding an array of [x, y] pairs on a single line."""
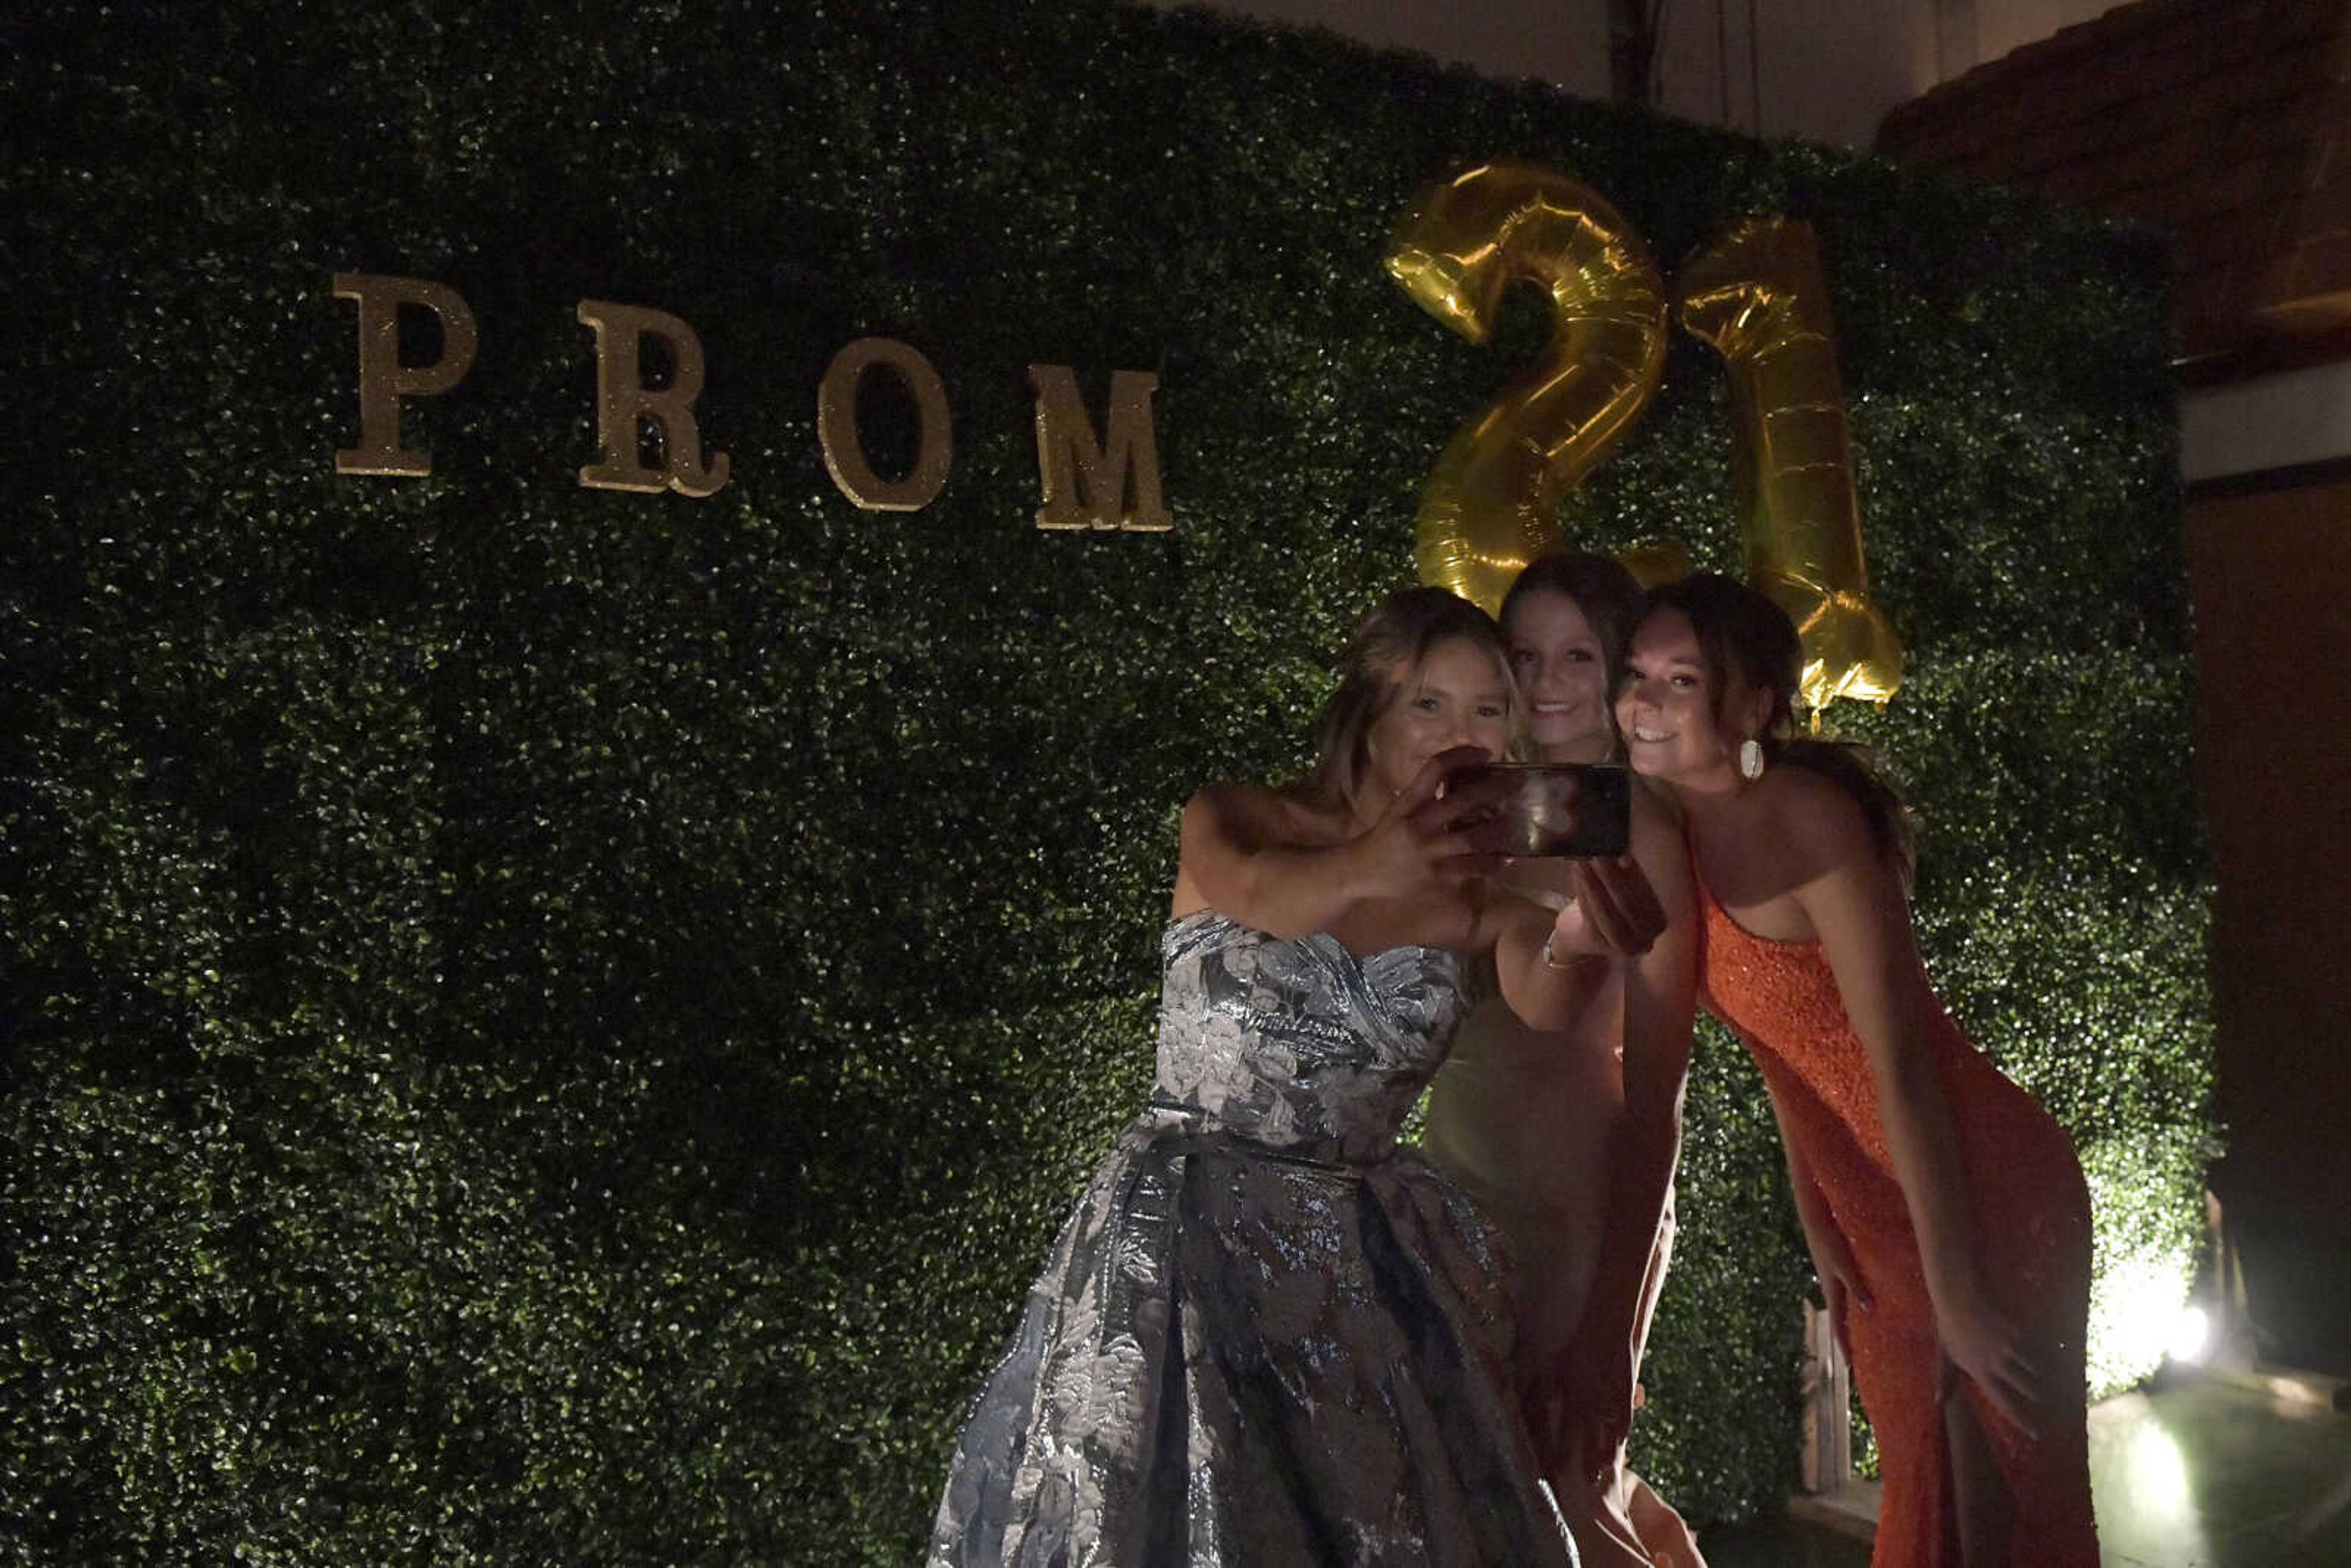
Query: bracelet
{"points": [[1550, 962]]}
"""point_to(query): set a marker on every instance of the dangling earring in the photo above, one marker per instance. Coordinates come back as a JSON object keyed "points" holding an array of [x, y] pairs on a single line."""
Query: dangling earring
{"points": [[1751, 760]]}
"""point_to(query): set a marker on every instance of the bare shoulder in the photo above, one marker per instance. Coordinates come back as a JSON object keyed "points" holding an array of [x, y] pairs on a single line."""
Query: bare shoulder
{"points": [[1819, 822], [1653, 800], [1225, 829], [1847, 888], [1251, 816]]}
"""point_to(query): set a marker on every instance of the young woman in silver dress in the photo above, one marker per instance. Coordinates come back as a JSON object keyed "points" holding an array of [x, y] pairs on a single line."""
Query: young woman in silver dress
{"points": [[1268, 1335]]}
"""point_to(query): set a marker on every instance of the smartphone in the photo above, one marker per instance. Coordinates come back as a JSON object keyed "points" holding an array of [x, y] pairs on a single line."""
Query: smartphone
{"points": [[1547, 808]]}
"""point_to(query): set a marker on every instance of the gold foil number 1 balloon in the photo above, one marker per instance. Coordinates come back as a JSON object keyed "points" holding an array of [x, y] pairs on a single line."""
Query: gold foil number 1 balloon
{"points": [[1758, 296], [1491, 503]]}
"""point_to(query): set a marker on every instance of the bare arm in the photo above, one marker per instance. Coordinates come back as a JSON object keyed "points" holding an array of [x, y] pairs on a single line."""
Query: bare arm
{"points": [[1553, 964], [1856, 905], [1264, 859], [1832, 1254], [1660, 1005], [1241, 853], [1546, 993]]}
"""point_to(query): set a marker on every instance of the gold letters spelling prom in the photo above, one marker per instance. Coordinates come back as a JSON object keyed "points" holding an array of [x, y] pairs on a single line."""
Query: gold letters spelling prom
{"points": [[1106, 482]]}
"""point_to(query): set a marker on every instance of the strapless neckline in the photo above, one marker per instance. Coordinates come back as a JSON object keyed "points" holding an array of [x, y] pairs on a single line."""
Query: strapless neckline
{"points": [[1320, 938]]}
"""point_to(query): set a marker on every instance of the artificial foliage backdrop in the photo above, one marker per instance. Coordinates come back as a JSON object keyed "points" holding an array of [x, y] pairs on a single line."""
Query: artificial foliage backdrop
{"points": [[548, 1025]]}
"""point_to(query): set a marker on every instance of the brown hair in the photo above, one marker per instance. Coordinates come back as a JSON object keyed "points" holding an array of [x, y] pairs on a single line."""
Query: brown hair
{"points": [[1747, 640], [1602, 590], [1386, 650]]}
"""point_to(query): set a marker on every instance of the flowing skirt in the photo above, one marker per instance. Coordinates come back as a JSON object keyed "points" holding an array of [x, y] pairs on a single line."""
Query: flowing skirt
{"points": [[1241, 1353]]}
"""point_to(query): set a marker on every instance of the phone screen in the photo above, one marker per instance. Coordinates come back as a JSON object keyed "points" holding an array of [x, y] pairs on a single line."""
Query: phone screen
{"points": [[1547, 808]]}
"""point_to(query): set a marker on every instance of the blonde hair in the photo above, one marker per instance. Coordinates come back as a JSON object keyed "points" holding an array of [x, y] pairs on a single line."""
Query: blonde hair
{"points": [[1383, 656]]}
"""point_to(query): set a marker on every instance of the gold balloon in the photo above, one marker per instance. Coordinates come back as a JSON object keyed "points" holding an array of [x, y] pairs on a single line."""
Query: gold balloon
{"points": [[1760, 297], [1492, 502], [1656, 562]]}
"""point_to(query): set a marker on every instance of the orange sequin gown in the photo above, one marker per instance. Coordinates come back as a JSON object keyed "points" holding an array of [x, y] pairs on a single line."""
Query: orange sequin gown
{"points": [[2029, 1214]]}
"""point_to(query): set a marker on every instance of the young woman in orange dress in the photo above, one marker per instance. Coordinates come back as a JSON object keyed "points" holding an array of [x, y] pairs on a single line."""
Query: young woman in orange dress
{"points": [[1945, 1210]]}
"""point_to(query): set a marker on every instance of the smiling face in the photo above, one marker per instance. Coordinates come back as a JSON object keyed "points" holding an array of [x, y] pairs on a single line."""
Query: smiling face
{"points": [[1458, 695], [1674, 728], [1561, 672]]}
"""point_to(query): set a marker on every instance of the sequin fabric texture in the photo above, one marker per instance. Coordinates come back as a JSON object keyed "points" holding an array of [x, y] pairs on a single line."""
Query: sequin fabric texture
{"points": [[2029, 1216], [1266, 1335]]}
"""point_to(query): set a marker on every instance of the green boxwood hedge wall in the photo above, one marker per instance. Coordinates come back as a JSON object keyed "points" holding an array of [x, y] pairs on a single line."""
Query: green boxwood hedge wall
{"points": [[551, 1025]]}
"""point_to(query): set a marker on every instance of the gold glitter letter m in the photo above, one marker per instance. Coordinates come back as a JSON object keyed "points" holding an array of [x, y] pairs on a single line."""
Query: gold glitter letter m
{"points": [[1085, 481]]}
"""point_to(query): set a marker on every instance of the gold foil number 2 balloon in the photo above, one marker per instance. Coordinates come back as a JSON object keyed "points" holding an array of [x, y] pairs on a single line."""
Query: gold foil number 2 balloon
{"points": [[1492, 502]]}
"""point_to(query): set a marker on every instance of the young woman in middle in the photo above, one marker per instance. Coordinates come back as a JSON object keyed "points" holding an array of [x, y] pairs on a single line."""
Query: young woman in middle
{"points": [[1569, 1137]]}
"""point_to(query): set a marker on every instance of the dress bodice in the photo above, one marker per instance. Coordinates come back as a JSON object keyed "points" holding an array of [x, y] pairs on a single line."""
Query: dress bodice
{"points": [[1781, 999], [1297, 1045]]}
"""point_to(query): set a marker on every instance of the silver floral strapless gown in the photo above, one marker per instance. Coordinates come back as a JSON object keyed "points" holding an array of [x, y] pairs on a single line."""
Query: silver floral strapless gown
{"points": [[1267, 1336]]}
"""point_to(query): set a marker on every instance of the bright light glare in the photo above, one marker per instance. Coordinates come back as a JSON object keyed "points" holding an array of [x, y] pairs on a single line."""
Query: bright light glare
{"points": [[2144, 1488], [2133, 1309], [2191, 1335]]}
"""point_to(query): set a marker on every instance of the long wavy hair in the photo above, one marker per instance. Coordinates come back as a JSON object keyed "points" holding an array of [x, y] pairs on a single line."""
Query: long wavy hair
{"points": [[1382, 658], [1746, 640]]}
